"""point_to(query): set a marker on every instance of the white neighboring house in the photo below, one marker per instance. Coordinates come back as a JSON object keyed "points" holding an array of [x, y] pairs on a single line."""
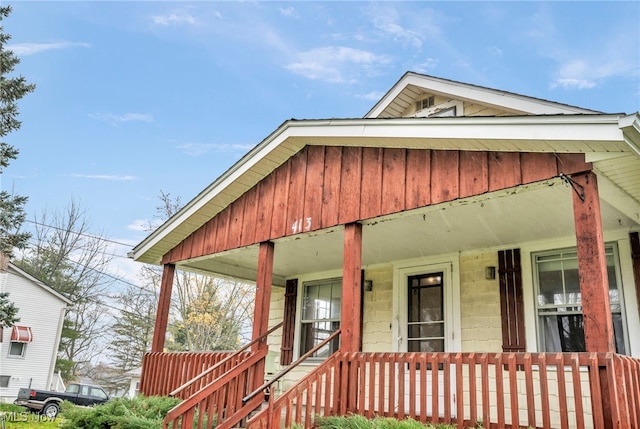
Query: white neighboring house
{"points": [[29, 349]]}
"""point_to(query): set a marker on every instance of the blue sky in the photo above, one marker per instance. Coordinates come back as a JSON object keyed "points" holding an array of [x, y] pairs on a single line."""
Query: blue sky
{"points": [[134, 98]]}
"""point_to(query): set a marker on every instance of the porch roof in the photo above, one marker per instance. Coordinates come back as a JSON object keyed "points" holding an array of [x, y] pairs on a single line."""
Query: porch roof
{"points": [[611, 141]]}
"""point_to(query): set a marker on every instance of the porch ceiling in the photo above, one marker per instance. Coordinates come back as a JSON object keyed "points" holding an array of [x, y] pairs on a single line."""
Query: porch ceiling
{"points": [[500, 219]]}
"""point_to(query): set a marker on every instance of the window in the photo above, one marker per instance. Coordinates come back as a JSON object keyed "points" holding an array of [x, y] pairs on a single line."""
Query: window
{"points": [[426, 313], [4, 380], [425, 103], [320, 316], [559, 301], [96, 392], [17, 348]]}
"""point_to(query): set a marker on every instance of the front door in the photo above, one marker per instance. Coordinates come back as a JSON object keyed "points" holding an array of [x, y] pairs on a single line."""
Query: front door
{"points": [[425, 312], [426, 297]]}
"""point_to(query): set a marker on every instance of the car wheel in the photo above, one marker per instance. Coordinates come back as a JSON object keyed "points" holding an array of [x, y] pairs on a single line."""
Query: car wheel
{"points": [[51, 410]]}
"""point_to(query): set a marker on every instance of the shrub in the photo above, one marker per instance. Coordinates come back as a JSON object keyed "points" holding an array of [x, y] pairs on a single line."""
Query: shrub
{"points": [[360, 422], [119, 413]]}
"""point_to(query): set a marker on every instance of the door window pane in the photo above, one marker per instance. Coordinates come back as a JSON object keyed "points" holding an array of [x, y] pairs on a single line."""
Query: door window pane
{"points": [[425, 313]]}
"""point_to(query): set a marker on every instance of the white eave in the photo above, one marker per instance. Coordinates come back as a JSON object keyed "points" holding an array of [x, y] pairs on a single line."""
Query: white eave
{"points": [[589, 134], [403, 93]]}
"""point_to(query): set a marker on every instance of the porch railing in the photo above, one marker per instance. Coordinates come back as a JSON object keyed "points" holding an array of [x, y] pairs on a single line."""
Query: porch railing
{"points": [[162, 373], [510, 390], [219, 402]]}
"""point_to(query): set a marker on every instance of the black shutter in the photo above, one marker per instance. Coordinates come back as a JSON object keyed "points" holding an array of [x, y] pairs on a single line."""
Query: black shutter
{"points": [[289, 319], [511, 301]]}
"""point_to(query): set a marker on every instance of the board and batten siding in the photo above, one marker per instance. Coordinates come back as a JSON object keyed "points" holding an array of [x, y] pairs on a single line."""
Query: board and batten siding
{"points": [[325, 186], [42, 312]]}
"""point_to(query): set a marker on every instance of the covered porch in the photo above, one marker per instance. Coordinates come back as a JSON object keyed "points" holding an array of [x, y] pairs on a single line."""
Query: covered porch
{"points": [[460, 270], [483, 375]]}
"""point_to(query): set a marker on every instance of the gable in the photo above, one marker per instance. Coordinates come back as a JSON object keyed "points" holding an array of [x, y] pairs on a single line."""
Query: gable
{"points": [[38, 286], [400, 100], [325, 186]]}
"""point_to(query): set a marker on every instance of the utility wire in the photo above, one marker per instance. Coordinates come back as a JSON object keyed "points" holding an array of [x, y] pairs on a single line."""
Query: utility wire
{"points": [[79, 233], [119, 279]]}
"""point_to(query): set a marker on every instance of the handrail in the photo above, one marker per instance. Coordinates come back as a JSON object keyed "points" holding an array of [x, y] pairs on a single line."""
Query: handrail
{"points": [[285, 371], [194, 399], [225, 360]]}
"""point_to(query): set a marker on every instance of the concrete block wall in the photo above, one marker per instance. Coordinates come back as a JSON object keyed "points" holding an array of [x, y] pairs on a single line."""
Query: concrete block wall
{"points": [[480, 322], [377, 311]]}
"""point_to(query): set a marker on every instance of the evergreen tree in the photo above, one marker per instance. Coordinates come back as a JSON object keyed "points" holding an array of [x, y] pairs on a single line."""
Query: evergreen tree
{"points": [[8, 312], [12, 89]]}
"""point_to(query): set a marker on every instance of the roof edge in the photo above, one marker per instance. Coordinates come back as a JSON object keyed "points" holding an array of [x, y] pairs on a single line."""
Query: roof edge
{"points": [[477, 93], [286, 131], [40, 283]]}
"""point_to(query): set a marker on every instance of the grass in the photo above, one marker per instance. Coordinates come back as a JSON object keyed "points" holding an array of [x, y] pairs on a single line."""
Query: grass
{"points": [[16, 417], [360, 422]]}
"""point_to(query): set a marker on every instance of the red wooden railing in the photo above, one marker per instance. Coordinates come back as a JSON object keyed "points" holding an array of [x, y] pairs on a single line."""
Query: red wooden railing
{"points": [[162, 373], [219, 404], [214, 398], [577, 390]]}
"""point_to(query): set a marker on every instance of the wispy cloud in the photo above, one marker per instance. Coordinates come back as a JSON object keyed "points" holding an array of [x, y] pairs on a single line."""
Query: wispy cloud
{"points": [[289, 11], [199, 149], [426, 66], [372, 96], [141, 225], [23, 49], [588, 72], [386, 20], [108, 177], [114, 120], [584, 62], [337, 64], [174, 18], [494, 50]]}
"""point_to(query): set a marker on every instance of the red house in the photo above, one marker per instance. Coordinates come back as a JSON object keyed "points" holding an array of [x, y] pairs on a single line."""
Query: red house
{"points": [[461, 255]]}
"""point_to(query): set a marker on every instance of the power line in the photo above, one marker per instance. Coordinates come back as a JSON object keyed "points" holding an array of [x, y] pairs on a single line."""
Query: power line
{"points": [[79, 233], [119, 279]]}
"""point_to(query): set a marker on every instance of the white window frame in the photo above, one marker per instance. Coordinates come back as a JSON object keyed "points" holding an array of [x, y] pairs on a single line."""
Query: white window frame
{"points": [[449, 265], [327, 275], [8, 381], [442, 109], [612, 248], [630, 310], [23, 350]]}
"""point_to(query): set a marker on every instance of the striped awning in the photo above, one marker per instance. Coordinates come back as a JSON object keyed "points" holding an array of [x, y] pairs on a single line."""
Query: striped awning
{"points": [[21, 334]]}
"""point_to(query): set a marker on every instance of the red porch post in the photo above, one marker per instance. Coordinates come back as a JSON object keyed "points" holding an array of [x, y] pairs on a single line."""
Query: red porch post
{"points": [[263, 297], [164, 301], [592, 266], [351, 289], [594, 287]]}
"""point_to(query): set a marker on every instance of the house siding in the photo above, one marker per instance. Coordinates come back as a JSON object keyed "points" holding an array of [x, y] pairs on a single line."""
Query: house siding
{"points": [[378, 311], [479, 304], [359, 183], [41, 311]]}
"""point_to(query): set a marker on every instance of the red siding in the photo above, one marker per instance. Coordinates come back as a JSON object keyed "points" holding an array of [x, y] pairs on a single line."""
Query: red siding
{"points": [[332, 166], [314, 186], [321, 187], [266, 191], [351, 173], [418, 182], [295, 203], [279, 217], [371, 182], [393, 180]]}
